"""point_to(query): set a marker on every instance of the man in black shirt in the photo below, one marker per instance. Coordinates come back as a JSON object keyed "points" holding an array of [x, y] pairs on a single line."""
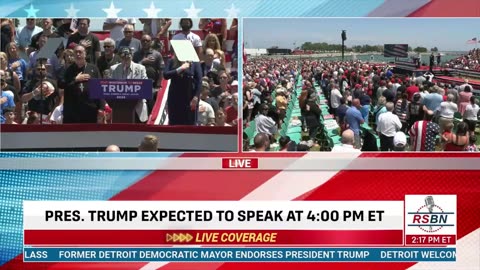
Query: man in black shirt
{"points": [[88, 40], [41, 93], [77, 105], [48, 31]]}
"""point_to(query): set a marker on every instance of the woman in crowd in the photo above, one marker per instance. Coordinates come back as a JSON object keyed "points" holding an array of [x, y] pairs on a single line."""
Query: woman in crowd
{"points": [[470, 116], [216, 26], [221, 118], [183, 94], [223, 87], [464, 99], [16, 64], [11, 78], [212, 42], [459, 140]]}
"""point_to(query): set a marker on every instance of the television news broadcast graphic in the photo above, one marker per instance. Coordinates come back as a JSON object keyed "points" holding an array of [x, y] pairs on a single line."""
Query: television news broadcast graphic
{"points": [[101, 182], [430, 220], [236, 231]]}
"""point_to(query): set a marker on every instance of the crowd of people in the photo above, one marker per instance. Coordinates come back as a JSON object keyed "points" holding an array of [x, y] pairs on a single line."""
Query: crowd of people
{"points": [[371, 107], [469, 61], [55, 89]]}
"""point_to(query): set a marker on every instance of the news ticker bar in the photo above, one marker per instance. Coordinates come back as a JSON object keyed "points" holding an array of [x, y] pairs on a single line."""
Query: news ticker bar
{"points": [[314, 162], [238, 254]]}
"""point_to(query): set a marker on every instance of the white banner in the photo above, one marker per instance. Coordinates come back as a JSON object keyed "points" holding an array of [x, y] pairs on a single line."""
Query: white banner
{"points": [[213, 215]]}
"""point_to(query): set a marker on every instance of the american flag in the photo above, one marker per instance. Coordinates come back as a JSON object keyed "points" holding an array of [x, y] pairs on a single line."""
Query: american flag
{"points": [[423, 135], [472, 41], [395, 50]]}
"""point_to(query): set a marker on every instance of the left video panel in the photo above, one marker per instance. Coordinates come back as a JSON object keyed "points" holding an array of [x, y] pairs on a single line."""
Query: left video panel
{"points": [[124, 84]]}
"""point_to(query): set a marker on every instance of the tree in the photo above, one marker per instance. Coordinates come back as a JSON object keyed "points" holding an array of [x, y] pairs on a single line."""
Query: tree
{"points": [[434, 49], [420, 50], [410, 48]]}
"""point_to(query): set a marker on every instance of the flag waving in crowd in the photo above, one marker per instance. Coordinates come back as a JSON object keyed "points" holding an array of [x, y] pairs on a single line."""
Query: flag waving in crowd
{"points": [[472, 41]]}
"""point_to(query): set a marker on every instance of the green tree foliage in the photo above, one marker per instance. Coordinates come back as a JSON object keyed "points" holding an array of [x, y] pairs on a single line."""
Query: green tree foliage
{"points": [[325, 47], [420, 49]]}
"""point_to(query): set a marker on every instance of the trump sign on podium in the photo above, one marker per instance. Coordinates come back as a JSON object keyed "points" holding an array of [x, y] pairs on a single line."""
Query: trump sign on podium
{"points": [[241, 231]]}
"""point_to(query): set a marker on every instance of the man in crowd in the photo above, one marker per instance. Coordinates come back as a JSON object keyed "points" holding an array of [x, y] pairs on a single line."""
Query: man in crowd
{"points": [[48, 31], [78, 107], [108, 58], [41, 93], [24, 36], [129, 41], [148, 144], [153, 62], [186, 25], [112, 148], [261, 142], [354, 119], [116, 27], [128, 111], [206, 114], [388, 125], [88, 40], [348, 142], [264, 123]]}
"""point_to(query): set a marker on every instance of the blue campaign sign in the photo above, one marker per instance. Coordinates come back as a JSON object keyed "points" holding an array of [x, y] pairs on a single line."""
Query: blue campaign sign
{"points": [[238, 254], [120, 89]]}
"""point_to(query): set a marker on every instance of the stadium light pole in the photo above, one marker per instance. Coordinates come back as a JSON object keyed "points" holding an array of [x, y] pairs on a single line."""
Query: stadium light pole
{"points": [[344, 37]]}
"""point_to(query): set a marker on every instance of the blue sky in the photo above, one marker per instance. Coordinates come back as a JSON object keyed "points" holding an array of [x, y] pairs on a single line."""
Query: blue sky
{"points": [[446, 34]]}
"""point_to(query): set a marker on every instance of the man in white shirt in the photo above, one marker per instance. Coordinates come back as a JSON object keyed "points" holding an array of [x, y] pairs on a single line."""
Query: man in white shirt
{"points": [[264, 123], [206, 114], [388, 125], [186, 24], [116, 27], [348, 141], [24, 36], [335, 97]]}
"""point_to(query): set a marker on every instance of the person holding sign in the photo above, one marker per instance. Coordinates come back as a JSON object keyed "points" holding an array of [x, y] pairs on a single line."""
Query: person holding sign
{"points": [[185, 77], [77, 105]]}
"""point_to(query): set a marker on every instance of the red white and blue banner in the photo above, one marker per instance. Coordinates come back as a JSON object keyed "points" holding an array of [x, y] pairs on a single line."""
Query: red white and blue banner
{"points": [[383, 189]]}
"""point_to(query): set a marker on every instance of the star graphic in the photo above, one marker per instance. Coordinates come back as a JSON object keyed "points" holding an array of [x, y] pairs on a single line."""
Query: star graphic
{"points": [[152, 11], [192, 12], [72, 11], [112, 12], [31, 12], [232, 12]]}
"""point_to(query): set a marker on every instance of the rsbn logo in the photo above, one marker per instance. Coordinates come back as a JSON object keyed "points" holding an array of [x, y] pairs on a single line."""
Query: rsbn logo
{"points": [[430, 217]]}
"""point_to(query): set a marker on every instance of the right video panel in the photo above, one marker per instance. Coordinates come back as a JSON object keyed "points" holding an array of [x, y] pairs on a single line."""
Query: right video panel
{"points": [[350, 85]]}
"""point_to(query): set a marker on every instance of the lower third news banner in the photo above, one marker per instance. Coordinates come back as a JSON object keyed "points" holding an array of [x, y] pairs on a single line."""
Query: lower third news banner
{"points": [[420, 228]]}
